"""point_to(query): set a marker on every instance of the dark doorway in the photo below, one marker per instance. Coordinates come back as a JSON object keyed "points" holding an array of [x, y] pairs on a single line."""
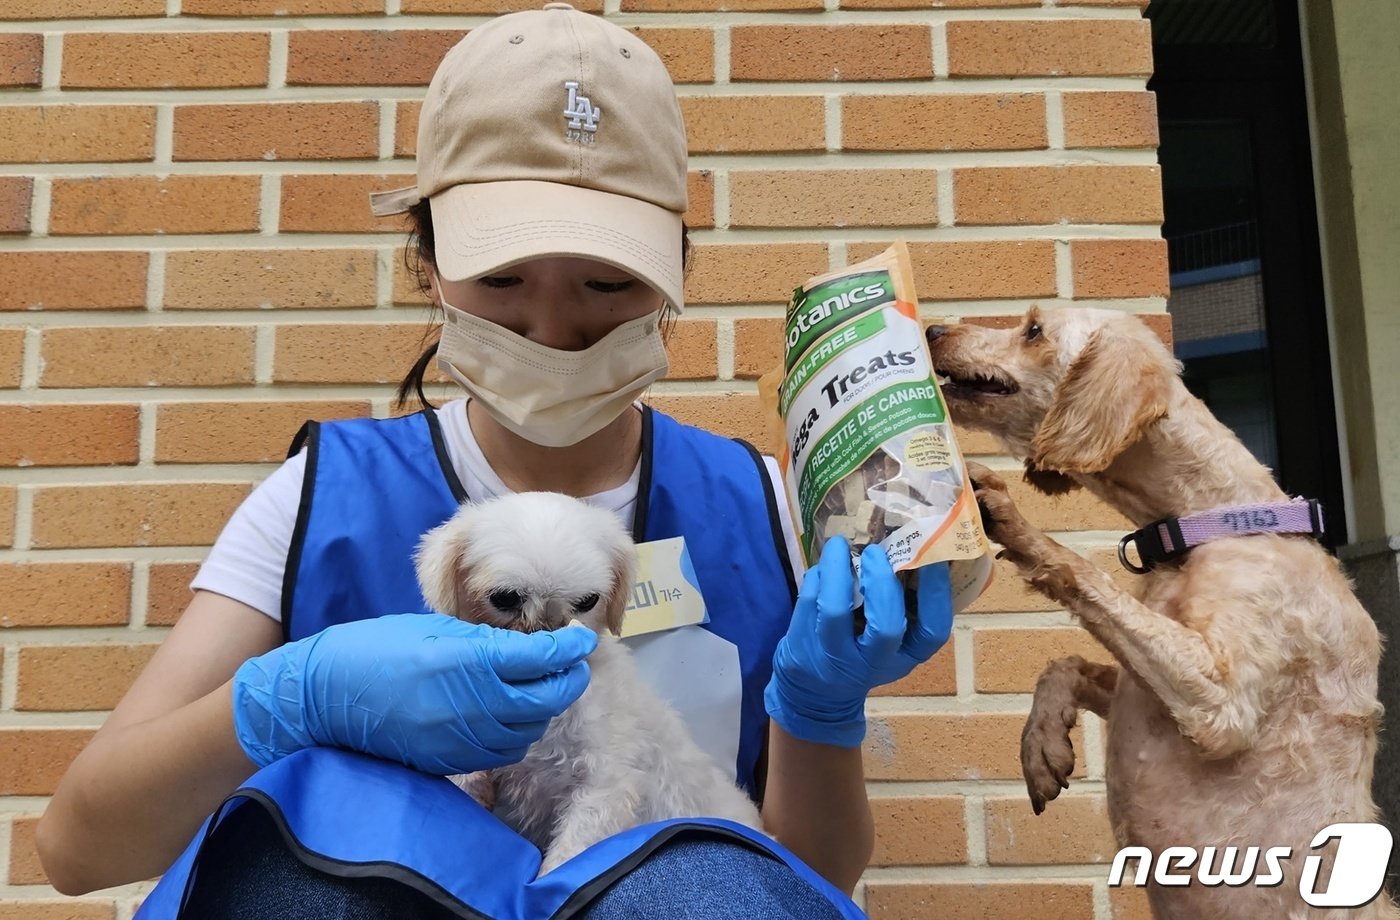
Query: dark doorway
{"points": [[1241, 227]]}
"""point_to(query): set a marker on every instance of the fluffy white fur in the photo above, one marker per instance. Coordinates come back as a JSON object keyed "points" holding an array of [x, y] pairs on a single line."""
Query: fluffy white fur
{"points": [[620, 756]]}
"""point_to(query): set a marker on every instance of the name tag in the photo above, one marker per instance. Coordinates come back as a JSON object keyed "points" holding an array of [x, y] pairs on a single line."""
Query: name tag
{"points": [[666, 593]]}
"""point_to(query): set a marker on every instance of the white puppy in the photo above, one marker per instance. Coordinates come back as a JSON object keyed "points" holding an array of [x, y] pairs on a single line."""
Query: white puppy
{"points": [[620, 756]]}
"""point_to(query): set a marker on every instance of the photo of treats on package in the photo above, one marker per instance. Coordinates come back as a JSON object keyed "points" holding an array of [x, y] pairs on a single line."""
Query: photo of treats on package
{"points": [[868, 450]]}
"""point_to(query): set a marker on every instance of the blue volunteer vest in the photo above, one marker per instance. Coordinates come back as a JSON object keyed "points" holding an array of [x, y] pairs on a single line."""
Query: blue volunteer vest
{"points": [[371, 489]]}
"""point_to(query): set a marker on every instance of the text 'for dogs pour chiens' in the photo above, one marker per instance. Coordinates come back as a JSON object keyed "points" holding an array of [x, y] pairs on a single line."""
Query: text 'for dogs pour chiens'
{"points": [[1242, 710], [619, 756]]}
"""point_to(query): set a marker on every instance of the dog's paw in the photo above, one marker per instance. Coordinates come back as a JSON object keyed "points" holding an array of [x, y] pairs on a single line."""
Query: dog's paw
{"points": [[1002, 521], [1047, 754]]}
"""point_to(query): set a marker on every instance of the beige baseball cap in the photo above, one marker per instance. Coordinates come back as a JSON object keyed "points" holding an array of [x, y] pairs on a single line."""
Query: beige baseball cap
{"points": [[552, 133]]}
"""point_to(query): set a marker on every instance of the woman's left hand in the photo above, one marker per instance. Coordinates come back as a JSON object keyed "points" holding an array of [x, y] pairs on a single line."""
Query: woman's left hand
{"points": [[823, 670]]}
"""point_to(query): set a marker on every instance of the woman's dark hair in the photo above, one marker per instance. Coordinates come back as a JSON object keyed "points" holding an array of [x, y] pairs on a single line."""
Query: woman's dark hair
{"points": [[418, 256]]}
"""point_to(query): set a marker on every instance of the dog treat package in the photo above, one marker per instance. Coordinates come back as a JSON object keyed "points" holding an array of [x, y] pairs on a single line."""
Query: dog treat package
{"points": [[868, 450]]}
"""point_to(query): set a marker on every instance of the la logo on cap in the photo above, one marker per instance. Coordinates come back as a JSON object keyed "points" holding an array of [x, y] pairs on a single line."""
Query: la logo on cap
{"points": [[583, 115]]}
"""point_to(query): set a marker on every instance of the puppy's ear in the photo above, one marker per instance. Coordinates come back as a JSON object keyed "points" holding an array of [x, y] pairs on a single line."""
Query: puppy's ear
{"points": [[624, 567], [1111, 394], [1048, 482], [439, 563]]}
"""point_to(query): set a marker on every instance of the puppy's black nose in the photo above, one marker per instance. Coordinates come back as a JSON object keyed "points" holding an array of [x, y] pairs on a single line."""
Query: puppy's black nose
{"points": [[933, 332]]}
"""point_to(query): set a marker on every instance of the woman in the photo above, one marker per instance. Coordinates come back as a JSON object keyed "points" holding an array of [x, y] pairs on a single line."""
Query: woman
{"points": [[551, 183]]}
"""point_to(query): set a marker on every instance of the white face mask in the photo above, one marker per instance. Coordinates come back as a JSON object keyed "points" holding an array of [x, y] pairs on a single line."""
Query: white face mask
{"points": [[548, 396]]}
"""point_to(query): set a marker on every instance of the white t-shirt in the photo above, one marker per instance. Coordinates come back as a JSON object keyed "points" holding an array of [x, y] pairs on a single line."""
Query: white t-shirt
{"points": [[248, 561]]}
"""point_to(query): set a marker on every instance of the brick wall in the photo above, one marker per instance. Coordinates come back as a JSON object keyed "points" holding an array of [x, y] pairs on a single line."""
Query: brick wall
{"points": [[188, 269]]}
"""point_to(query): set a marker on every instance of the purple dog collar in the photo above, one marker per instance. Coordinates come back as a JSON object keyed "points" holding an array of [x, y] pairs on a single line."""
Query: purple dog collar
{"points": [[1170, 538]]}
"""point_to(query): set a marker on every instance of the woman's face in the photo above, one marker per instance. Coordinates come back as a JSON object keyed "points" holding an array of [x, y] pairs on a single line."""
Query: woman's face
{"points": [[559, 302]]}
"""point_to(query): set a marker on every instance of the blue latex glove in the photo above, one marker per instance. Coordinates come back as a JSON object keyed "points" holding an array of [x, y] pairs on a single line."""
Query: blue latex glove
{"points": [[822, 670], [426, 690]]}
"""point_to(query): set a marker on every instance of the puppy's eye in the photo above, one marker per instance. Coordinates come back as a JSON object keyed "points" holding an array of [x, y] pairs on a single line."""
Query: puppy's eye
{"points": [[585, 604], [1032, 331], [506, 599]]}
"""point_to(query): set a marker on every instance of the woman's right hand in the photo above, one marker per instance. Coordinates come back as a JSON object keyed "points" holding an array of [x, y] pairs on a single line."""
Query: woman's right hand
{"points": [[435, 693]]}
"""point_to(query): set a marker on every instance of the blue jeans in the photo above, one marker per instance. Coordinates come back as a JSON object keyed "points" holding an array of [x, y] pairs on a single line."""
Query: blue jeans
{"points": [[248, 873]]}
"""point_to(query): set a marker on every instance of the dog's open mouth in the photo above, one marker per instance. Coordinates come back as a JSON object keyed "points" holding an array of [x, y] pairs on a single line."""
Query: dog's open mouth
{"points": [[957, 385]]}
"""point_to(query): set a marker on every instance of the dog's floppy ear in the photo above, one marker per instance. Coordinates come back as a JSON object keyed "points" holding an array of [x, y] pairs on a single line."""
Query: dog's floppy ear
{"points": [[1048, 482], [439, 566], [1114, 390], [624, 567]]}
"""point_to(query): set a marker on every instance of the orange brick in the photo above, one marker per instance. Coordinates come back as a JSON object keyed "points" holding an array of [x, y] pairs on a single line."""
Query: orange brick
{"points": [[360, 57], [65, 593], [406, 128], [693, 350], [935, 677], [15, 195], [945, 746], [168, 591], [8, 498], [246, 432], [69, 435], [751, 273], [758, 346], [975, 443], [72, 280], [830, 53], [993, 121], [146, 514], [183, 60], [78, 678], [277, 131], [66, 909], [1073, 829], [1077, 510], [21, 59], [996, 195], [1129, 903], [1012, 660], [488, 7], [717, 6], [338, 204], [1110, 119], [1027, 47], [975, 270], [1119, 268], [919, 830], [751, 124], [733, 415], [37, 757], [833, 198], [689, 54], [117, 356], [230, 279], [700, 190], [25, 868], [1009, 592], [77, 133], [144, 204], [11, 357], [933, 4], [406, 290], [362, 352], [280, 7], [83, 9], [1009, 900]]}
